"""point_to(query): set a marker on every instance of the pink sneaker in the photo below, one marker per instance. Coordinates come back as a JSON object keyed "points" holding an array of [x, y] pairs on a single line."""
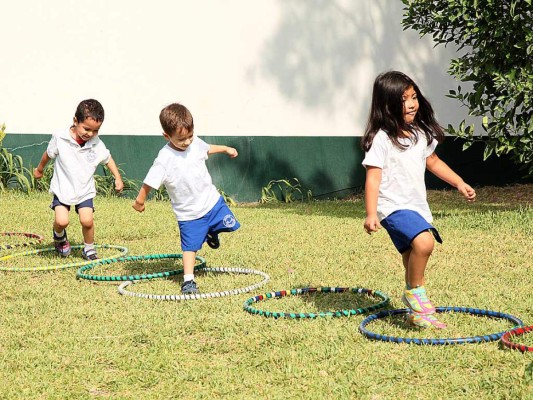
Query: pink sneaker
{"points": [[416, 299], [424, 321]]}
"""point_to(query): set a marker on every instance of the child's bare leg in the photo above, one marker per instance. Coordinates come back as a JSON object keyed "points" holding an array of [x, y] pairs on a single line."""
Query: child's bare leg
{"points": [[61, 242], [86, 215], [189, 285], [61, 218], [417, 258], [189, 260]]}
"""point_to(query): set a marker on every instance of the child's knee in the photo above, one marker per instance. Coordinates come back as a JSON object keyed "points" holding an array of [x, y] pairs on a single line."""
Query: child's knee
{"points": [[424, 243], [61, 221], [87, 221]]}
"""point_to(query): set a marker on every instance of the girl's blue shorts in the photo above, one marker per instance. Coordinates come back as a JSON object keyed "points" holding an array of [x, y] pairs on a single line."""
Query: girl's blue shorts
{"points": [[405, 225], [219, 219]]}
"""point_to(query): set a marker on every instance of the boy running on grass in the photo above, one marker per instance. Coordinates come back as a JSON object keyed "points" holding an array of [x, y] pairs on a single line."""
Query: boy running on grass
{"points": [[77, 151], [199, 209]]}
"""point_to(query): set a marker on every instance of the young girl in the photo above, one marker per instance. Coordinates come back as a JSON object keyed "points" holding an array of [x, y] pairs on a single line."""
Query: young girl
{"points": [[399, 144]]}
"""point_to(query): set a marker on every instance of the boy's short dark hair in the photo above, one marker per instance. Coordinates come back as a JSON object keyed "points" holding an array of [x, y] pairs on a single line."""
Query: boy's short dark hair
{"points": [[175, 118], [90, 109]]}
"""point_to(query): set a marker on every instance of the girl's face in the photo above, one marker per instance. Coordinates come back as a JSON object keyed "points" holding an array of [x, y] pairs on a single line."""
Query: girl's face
{"points": [[410, 105]]}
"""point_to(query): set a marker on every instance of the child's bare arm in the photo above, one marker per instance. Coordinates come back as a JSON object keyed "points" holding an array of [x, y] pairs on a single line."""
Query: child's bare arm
{"points": [[441, 170], [38, 172], [230, 151], [138, 204], [119, 185], [373, 180]]}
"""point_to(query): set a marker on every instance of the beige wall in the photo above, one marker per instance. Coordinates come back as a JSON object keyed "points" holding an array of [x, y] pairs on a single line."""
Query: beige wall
{"points": [[243, 67]]}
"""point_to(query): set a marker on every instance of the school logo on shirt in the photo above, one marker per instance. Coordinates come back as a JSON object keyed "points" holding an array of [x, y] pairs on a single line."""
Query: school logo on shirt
{"points": [[229, 221], [91, 156]]}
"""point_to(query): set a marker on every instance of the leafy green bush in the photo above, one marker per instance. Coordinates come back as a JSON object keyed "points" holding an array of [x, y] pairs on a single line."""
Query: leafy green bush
{"points": [[43, 184], [105, 184], [495, 40], [13, 173], [283, 190]]}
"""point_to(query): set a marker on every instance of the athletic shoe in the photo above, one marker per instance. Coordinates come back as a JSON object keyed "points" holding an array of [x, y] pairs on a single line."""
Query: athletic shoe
{"points": [[189, 287], [424, 320], [62, 244], [417, 300], [213, 241], [89, 255]]}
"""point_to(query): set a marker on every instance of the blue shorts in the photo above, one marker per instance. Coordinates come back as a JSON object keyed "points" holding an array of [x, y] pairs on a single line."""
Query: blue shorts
{"points": [[86, 203], [405, 225], [219, 219]]}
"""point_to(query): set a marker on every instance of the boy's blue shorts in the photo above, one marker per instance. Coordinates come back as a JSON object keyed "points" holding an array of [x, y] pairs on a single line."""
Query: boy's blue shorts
{"points": [[84, 204], [219, 219], [405, 225]]}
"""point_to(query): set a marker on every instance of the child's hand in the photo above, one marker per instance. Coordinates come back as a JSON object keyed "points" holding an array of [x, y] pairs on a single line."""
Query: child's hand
{"points": [[467, 191], [37, 174], [372, 224], [232, 152], [119, 185], [138, 206]]}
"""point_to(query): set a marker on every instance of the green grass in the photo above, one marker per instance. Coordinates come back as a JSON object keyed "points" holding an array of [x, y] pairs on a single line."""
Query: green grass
{"points": [[66, 338]]}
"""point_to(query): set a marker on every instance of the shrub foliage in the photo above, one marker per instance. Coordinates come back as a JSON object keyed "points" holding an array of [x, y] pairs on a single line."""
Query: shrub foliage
{"points": [[495, 42]]}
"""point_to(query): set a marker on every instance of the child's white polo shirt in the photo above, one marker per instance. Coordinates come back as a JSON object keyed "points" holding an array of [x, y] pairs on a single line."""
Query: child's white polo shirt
{"points": [[73, 179], [185, 175]]}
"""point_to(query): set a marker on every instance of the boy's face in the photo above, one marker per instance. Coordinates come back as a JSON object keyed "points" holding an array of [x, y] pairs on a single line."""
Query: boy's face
{"points": [[87, 129], [180, 140]]}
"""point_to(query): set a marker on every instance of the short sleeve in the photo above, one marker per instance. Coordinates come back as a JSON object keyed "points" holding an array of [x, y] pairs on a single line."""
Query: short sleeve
{"points": [[51, 150], [376, 155], [430, 149], [156, 174], [105, 154], [203, 148]]}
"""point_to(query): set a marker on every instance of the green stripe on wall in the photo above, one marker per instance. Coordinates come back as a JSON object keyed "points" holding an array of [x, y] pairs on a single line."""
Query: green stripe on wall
{"points": [[328, 166]]}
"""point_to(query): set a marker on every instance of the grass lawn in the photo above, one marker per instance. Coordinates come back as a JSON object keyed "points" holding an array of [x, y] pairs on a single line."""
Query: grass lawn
{"points": [[63, 338]]}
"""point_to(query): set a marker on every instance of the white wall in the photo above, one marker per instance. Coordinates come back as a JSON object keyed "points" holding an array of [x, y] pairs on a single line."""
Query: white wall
{"points": [[243, 67]]}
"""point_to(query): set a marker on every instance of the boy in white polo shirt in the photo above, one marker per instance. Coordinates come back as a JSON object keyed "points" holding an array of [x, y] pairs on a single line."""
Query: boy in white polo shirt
{"points": [[199, 209], [77, 151]]}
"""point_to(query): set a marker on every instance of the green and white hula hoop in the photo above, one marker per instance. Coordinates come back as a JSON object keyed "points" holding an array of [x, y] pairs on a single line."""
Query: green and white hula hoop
{"points": [[114, 278], [176, 297], [123, 251], [307, 290]]}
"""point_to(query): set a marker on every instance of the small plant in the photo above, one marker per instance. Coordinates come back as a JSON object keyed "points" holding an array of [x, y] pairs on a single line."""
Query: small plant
{"points": [[105, 184], [283, 190], [13, 173], [160, 194], [229, 201], [43, 184]]}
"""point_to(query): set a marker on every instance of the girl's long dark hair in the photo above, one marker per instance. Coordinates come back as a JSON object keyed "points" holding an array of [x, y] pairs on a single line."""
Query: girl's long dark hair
{"points": [[386, 112]]}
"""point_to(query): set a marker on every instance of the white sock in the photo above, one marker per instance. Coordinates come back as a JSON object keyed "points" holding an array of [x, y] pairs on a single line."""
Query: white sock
{"points": [[89, 246], [60, 234], [188, 277]]}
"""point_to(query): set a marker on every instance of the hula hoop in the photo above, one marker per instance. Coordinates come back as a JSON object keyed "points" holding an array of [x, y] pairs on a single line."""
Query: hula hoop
{"points": [[174, 297], [80, 273], [506, 338], [295, 292], [438, 341], [38, 239], [123, 250]]}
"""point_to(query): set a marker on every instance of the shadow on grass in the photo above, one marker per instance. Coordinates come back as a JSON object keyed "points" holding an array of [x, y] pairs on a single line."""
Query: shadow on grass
{"points": [[327, 208], [326, 302]]}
